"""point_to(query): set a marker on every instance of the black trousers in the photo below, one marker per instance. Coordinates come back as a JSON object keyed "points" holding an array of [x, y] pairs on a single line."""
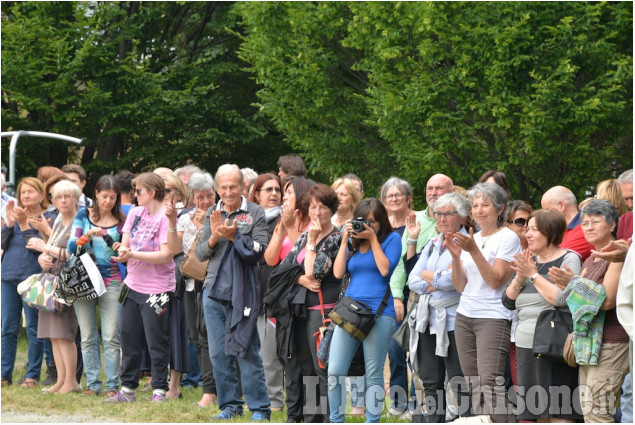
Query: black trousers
{"points": [[433, 376], [140, 321], [306, 401]]}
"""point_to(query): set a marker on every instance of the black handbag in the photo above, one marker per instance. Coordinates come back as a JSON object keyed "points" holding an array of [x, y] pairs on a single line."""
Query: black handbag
{"points": [[356, 317], [552, 329]]}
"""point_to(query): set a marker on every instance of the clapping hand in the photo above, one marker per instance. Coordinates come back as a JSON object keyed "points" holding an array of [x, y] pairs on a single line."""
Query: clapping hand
{"points": [[465, 242], [524, 265], [615, 251], [561, 277]]}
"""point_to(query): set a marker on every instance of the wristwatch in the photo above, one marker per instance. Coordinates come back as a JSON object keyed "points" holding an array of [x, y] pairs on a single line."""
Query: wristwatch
{"points": [[309, 247], [533, 277]]}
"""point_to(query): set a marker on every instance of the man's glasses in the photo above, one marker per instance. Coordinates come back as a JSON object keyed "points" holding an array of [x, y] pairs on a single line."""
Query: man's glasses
{"points": [[520, 222], [445, 214], [271, 189]]}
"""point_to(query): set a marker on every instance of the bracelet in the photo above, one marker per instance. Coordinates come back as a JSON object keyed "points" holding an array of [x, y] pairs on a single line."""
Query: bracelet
{"points": [[412, 241], [172, 229], [518, 288]]}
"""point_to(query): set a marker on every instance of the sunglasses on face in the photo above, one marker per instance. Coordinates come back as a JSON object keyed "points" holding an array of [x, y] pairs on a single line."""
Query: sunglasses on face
{"points": [[138, 191], [520, 222], [271, 189]]}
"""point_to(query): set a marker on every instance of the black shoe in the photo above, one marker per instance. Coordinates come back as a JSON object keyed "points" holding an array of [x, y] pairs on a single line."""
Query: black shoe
{"points": [[51, 376]]}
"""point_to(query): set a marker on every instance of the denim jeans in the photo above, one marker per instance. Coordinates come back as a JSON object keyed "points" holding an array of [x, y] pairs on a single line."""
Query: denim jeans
{"points": [[86, 311], [225, 374], [626, 401], [11, 305], [343, 348]]}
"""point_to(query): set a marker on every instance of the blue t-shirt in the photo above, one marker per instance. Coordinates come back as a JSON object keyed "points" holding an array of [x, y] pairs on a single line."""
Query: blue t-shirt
{"points": [[367, 285]]}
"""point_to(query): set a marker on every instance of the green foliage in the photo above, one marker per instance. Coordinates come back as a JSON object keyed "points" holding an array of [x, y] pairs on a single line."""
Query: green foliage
{"points": [[540, 91], [146, 83]]}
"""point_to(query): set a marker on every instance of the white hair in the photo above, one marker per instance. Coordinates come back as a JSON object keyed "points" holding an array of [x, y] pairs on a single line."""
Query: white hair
{"points": [[626, 177], [250, 173], [66, 186], [187, 170], [229, 169], [201, 181]]}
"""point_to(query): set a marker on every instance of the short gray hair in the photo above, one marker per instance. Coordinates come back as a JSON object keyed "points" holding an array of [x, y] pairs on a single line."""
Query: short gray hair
{"points": [[626, 177], [457, 201], [200, 181], [496, 195], [604, 208], [187, 170], [250, 173], [403, 186], [229, 169], [66, 186]]}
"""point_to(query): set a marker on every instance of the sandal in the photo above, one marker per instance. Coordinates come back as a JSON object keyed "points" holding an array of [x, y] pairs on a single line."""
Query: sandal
{"points": [[5, 382], [30, 383]]}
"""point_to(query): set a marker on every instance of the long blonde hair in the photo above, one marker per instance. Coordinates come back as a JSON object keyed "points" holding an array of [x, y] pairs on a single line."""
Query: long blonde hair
{"points": [[611, 191]]}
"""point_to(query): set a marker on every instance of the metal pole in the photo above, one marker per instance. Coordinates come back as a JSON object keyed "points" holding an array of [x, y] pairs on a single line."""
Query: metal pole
{"points": [[15, 135]]}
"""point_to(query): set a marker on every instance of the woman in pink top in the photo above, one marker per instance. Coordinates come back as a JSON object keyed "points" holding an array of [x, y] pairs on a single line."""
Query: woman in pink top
{"points": [[148, 245]]}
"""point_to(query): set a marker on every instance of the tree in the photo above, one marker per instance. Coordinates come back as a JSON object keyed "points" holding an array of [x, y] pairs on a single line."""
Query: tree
{"points": [[540, 91], [146, 83]]}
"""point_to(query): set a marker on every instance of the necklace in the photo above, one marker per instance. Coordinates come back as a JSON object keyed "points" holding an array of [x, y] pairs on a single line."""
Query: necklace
{"points": [[485, 240]]}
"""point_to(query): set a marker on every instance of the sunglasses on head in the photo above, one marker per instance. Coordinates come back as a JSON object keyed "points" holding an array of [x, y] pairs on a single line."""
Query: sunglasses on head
{"points": [[520, 222]]}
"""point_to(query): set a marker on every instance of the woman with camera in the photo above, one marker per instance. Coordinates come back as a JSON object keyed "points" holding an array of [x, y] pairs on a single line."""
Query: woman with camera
{"points": [[100, 227], [375, 252]]}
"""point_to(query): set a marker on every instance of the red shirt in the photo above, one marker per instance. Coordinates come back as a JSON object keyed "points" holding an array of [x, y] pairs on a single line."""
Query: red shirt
{"points": [[625, 226], [574, 239]]}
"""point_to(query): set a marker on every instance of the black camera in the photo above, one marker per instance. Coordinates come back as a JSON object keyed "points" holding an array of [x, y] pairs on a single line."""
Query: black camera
{"points": [[358, 224]]}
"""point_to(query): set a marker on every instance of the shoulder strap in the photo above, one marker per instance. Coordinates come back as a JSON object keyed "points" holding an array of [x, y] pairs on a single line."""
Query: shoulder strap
{"points": [[384, 303]]}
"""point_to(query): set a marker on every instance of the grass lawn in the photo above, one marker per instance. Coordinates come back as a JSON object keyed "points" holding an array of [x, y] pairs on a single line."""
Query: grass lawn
{"points": [[16, 399]]}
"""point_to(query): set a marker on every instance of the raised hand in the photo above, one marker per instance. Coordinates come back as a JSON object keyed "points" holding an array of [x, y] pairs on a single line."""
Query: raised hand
{"points": [[413, 226], [227, 231], [10, 213], [314, 231], [41, 225], [199, 216]]}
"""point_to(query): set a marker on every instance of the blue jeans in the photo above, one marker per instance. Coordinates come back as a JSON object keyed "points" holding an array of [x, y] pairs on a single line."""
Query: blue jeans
{"points": [[251, 369], [86, 312], [626, 401], [343, 348], [11, 305]]}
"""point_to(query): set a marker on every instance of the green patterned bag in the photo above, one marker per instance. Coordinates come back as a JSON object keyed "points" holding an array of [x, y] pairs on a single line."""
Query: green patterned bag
{"points": [[38, 291]]}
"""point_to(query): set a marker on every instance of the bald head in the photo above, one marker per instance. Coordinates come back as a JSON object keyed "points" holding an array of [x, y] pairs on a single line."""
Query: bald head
{"points": [[561, 199], [163, 171], [437, 185]]}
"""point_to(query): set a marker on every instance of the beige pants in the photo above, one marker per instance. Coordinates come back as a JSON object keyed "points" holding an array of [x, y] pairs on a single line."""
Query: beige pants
{"points": [[600, 384]]}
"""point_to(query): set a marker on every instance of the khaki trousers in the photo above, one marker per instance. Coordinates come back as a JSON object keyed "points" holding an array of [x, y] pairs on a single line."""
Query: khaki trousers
{"points": [[600, 384]]}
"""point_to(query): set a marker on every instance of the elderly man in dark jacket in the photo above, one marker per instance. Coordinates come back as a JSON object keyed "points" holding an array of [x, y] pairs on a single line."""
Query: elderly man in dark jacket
{"points": [[234, 238]]}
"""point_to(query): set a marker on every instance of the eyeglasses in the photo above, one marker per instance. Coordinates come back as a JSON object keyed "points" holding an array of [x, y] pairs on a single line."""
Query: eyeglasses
{"points": [[520, 222], [394, 196], [594, 223], [138, 191], [271, 189], [445, 214]]}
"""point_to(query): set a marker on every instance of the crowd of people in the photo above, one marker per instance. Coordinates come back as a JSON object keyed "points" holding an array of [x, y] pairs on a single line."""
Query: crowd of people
{"points": [[467, 280]]}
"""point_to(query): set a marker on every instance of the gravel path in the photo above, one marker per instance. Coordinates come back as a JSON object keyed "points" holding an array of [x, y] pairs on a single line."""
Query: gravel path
{"points": [[21, 417]]}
